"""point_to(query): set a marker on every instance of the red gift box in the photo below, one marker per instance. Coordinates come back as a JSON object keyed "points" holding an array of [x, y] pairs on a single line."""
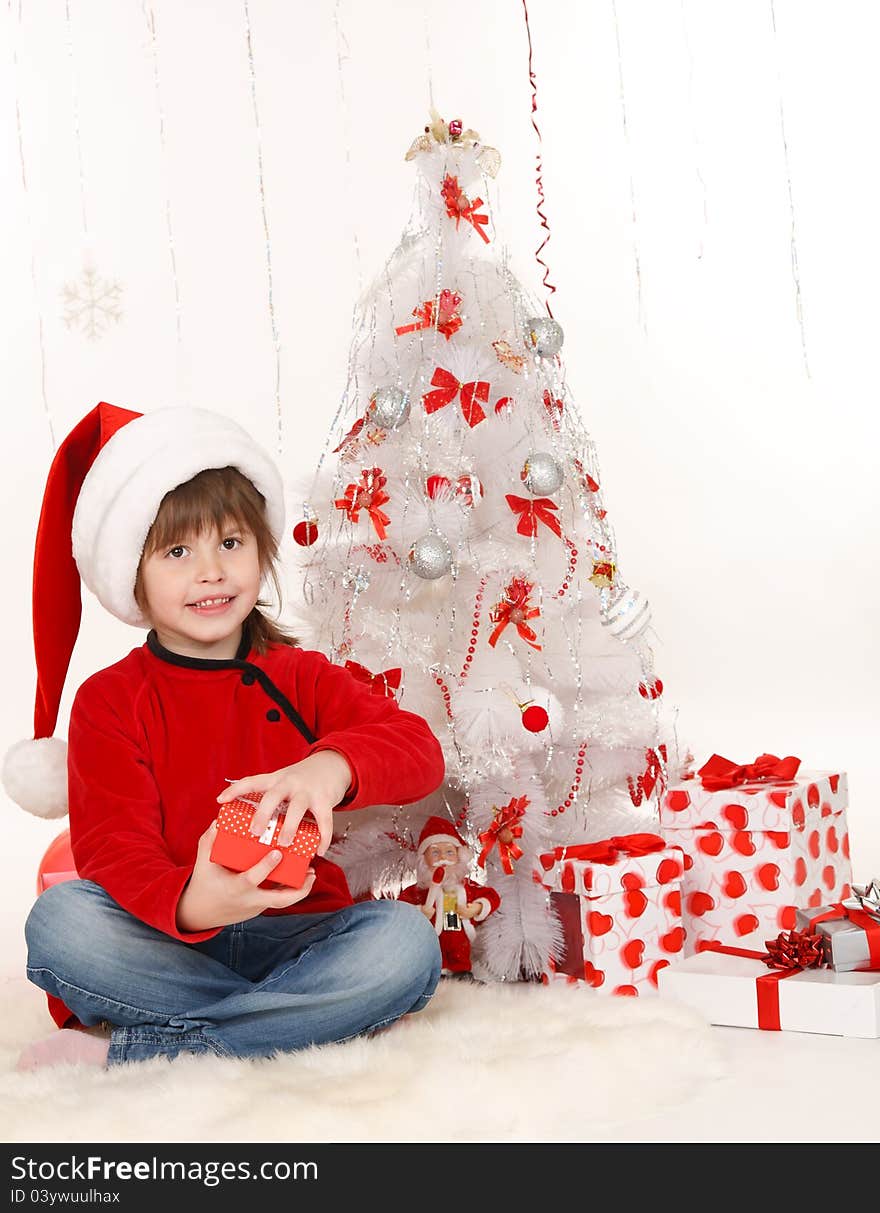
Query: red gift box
{"points": [[237, 848]]}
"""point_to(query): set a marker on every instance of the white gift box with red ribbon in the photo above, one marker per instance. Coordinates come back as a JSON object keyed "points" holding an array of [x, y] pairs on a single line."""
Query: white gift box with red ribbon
{"points": [[741, 991], [619, 907], [761, 849]]}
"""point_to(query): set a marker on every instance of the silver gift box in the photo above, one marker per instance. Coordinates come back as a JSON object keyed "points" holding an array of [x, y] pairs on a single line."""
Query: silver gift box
{"points": [[846, 944]]}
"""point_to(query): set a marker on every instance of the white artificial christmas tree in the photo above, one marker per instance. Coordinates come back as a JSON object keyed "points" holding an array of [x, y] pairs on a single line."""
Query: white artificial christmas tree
{"points": [[458, 555]]}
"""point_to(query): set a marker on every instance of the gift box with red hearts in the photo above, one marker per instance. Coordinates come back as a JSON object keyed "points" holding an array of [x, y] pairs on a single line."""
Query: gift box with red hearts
{"points": [[735, 986], [618, 903], [237, 848], [774, 840]]}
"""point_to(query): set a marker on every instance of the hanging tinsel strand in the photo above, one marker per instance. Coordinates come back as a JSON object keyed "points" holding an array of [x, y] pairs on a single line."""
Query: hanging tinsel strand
{"points": [[24, 187], [632, 184], [794, 257], [150, 18], [697, 148], [74, 105], [539, 179], [276, 342]]}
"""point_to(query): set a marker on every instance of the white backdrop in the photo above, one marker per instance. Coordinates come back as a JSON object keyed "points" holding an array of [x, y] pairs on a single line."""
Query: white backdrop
{"points": [[237, 168]]}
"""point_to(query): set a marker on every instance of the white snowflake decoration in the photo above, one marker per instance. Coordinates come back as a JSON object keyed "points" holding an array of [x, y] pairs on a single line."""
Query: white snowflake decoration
{"points": [[91, 303]]}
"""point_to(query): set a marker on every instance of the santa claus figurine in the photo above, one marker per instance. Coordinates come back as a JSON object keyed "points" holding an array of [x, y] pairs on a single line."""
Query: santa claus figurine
{"points": [[451, 901]]}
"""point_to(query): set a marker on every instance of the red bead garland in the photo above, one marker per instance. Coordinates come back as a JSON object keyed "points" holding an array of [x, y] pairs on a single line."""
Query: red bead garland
{"points": [[569, 573], [576, 783], [475, 629]]}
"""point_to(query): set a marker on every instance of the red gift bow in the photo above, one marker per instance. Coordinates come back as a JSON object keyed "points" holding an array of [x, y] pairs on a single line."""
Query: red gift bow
{"points": [[532, 512], [606, 851], [507, 818], [446, 320], [367, 495], [385, 683], [516, 599], [720, 773], [796, 946], [859, 918], [473, 396], [458, 206]]}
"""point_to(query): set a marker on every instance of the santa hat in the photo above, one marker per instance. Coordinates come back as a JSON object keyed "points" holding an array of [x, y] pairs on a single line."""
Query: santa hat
{"points": [[103, 492], [438, 829]]}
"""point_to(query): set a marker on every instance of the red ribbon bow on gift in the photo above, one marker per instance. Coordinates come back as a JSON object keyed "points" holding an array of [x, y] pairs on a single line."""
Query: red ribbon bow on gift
{"points": [[458, 207], [385, 683], [787, 954], [515, 608], [445, 318], [506, 820], [367, 495], [608, 850], [720, 773], [532, 512], [473, 396]]}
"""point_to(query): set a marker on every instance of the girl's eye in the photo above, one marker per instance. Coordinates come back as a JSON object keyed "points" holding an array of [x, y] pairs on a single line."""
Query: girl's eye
{"points": [[179, 548], [231, 539]]}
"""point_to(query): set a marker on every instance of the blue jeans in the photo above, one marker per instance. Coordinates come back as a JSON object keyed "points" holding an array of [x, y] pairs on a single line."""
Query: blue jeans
{"points": [[270, 984]]}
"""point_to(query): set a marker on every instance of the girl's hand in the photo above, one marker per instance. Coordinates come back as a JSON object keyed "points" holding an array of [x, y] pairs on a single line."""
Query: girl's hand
{"points": [[317, 784], [216, 897]]}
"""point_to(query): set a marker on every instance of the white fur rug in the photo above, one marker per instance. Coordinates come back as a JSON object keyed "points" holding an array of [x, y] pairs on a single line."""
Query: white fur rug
{"points": [[481, 1063]]}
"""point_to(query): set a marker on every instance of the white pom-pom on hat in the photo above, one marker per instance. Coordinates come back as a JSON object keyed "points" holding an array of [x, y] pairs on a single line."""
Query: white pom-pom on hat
{"points": [[103, 491], [35, 776]]}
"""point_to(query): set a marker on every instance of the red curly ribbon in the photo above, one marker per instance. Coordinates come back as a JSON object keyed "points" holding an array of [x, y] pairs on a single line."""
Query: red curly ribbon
{"points": [[532, 512], [719, 773], [508, 818], [515, 608], [367, 495], [780, 952], [459, 207], [473, 396], [444, 318], [385, 683]]}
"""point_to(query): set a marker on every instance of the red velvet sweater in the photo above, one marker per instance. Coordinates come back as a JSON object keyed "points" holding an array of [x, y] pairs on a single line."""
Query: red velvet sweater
{"points": [[156, 737]]}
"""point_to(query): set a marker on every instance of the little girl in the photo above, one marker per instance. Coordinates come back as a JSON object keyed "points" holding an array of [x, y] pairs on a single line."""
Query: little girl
{"points": [[177, 520]]}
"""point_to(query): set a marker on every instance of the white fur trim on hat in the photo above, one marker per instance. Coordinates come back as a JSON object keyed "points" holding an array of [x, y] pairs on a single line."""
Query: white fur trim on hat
{"points": [[35, 776], [123, 490]]}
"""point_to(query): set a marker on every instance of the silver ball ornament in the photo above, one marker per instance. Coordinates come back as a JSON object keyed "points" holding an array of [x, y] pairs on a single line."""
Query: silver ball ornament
{"points": [[430, 557], [544, 335], [541, 474], [389, 407]]}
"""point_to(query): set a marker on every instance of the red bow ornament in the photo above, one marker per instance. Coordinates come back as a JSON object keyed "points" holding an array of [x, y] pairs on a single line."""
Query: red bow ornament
{"points": [[367, 495], [385, 683], [720, 773], [515, 608], [504, 830], [467, 487], [447, 388], [444, 317], [459, 207], [533, 511]]}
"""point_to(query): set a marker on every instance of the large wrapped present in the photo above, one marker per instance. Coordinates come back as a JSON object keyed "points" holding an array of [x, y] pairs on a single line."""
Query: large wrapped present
{"points": [[765, 839], [740, 987], [237, 848], [850, 930], [619, 907]]}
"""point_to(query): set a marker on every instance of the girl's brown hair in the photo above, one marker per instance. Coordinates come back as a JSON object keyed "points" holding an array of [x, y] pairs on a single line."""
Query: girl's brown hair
{"points": [[214, 498]]}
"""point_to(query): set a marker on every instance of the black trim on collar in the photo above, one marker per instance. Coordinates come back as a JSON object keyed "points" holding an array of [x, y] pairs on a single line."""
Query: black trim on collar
{"points": [[235, 663]]}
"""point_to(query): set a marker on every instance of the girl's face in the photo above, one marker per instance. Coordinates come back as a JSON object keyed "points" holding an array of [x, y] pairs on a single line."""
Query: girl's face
{"points": [[219, 570]]}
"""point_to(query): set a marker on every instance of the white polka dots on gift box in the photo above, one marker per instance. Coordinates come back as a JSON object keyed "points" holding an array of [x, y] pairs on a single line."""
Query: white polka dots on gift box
{"points": [[758, 852], [617, 941], [237, 848]]}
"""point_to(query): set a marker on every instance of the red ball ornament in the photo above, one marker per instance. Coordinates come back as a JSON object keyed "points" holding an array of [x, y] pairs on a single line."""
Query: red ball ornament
{"points": [[652, 689], [57, 864], [535, 719], [305, 533]]}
